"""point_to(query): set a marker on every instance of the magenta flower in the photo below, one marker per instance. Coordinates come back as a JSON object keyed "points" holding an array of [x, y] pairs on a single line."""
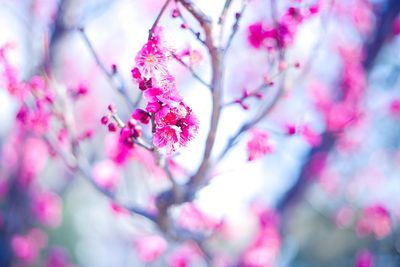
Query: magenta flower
{"points": [[48, 208], [176, 126], [150, 248], [168, 137], [376, 220], [258, 145], [106, 174], [151, 60]]}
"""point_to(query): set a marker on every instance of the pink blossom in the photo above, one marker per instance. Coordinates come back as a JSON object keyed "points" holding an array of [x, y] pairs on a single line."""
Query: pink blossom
{"points": [[27, 247], [344, 217], [194, 56], [150, 248], [117, 209], [376, 220], [117, 151], [141, 115], [258, 145], [394, 108], [167, 136], [364, 259], [312, 137], [58, 257], [106, 174], [256, 35], [192, 217], [264, 250], [183, 256], [151, 60], [47, 207], [176, 126], [396, 26]]}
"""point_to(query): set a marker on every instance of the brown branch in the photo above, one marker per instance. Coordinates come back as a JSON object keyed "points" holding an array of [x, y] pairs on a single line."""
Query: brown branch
{"points": [[164, 7], [196, 34]]}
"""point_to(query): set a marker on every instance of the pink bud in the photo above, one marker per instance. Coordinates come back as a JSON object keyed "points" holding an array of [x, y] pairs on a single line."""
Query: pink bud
{"points": [[112, 108], [259, 95], [141, 115], [244, 106], [175, 13], [114, 68], [104, 120], [112, 127], [136, 73]]}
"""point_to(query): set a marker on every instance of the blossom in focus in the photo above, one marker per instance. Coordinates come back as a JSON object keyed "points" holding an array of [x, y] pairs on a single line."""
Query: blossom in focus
{"points": [[151, 60], [176, 126]]}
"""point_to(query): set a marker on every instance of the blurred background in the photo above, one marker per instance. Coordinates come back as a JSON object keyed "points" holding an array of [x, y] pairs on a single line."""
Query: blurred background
{"points": [[326, 195]]}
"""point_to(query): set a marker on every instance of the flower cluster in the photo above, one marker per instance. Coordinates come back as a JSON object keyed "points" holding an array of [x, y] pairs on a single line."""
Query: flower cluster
{"points": [[262, 35], [174, 123], [376, 220]]}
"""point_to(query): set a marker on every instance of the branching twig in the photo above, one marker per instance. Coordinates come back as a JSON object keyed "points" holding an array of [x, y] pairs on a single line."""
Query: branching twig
{"points": [[251, 123], [196, 34], [120, 88], [75, 165], [235, 26], [190, 69]]}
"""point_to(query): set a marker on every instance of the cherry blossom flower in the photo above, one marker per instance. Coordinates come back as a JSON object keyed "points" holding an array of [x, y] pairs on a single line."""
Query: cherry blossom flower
{"points": [[150, 248], [47, 207], [106, 174], [176, 126], [151, 60], [258, 145], [58, 257], [376, 220], [364, 259], [183, 256], [27, 247], [193, 218]]}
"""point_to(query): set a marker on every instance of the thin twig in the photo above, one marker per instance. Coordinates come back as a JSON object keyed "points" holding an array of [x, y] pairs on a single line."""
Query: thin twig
{"points": [[164, 7], [325, 21], [235, 26], [84, 169], [253, 122], [190, 69], [196, 34], [221, 20], [120, 88], [224, 12]]}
